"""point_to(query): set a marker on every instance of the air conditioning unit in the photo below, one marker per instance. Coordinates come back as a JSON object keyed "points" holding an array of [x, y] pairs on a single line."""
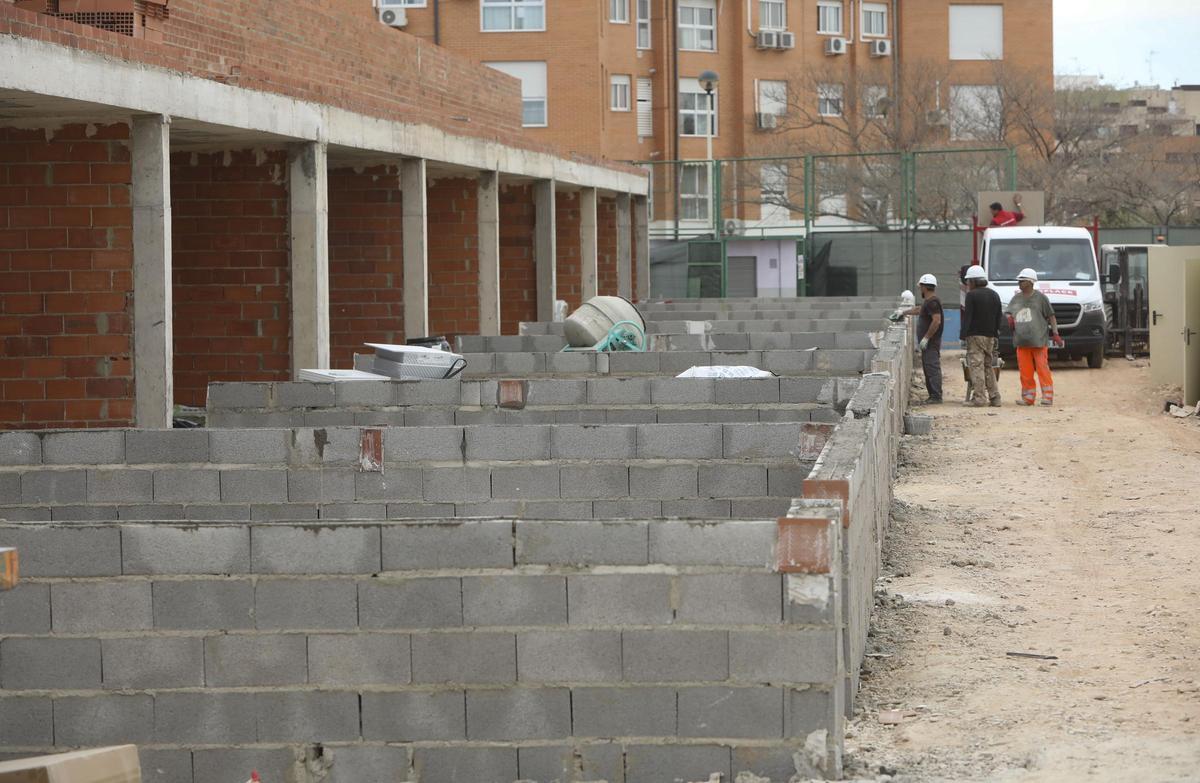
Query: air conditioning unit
{"points": [[787, 40], [766, 39], [393, 17], [731, 226], [881, 48], [836, 46], [937, 117], [767, 120]]}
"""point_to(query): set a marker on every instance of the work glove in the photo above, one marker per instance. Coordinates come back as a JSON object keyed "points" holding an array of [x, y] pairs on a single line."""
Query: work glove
{"points": [[924, 343], [896, 316], [1012, 323], [1058, 341]]}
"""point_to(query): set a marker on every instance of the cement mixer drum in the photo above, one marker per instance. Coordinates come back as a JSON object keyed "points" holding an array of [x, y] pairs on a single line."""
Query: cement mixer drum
{"points": [[591, 323]]}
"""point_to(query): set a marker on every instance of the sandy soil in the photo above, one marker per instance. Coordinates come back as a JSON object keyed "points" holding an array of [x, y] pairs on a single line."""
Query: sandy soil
{"points": [[1071, 531]]}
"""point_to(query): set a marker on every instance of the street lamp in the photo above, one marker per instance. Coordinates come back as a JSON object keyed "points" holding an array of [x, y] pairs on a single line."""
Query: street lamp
{"points": [[708, 80]]}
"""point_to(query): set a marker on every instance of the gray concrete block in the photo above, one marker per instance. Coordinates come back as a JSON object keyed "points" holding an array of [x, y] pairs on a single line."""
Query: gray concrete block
{"points": [[561, 763], [569, 656], [677, 763], [359, 659], [675, 656], [825, 415], [357, 418], [718, 712], [26, 722], [249, 447], [49, 664], [581, 543], [619, 599], [353, 511], [410, 603], [10, 488], [237, 660], [525, 482], [807, 710], [524, 599], [787, 481], [456, 485], [422, 511], [787, 362], [745, 391], [83, 513], [792, 413], [570, 363], [54, 486], [152, 512], [761, 441], [635, 363], [391, 484], [679, 441], [518, 714], [473, 657], [708, 543], [580, 416], [315, 549], [303, 394], [204, 718], [25, 609], [436, 545], [528, 509], [431, 392], [594, 481], [457, 764], [297, 604], [591, 442], [626, 508], [198, 549], [619, 391], [707, 415], [258, 486], [27, 513], [427, 417], [153, 662], [165, 766], [283, 512], [630, 416], [479, 364], [239, 394], [90, 447], [760, 508], [841, 361], [519, 364], [90, 721], [701, 508], [166, 446], [364, 394], [307, 716], [557, 391], [204, 604], [120, 486], [682, 391], [802, 655], [730, 599], [327, 445], [83, 607], [20, 448], [222, 765], [322, 486], [676, 362], [414, 716], [731, 481], [487, 442], [187, 485], [383, 763], [664, 482], [623, 712]]}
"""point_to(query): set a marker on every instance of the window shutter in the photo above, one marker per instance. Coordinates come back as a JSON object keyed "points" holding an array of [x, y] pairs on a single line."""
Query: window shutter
{"points": [[645, 118]]}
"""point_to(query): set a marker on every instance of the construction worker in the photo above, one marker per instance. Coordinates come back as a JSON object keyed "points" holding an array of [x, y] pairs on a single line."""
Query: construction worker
{"points": [[929, 330], [1031, 321], [980, 332], [1002, 217]]}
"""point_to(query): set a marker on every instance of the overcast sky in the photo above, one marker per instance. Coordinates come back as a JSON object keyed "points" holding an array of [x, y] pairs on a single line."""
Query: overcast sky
{"points": [[1129, 41]]}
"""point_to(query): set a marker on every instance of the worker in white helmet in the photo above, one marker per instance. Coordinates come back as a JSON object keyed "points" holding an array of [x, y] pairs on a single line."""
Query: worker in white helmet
{"points": [[979, 332], [929, 331], [1033, 325]]}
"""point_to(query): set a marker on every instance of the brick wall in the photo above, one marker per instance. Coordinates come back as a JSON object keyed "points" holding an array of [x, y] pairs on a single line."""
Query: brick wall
{"points": [[65, 277], [569, 285], [453, 230], [366, 263], [231, 275], [518, 274], [606, 247]]}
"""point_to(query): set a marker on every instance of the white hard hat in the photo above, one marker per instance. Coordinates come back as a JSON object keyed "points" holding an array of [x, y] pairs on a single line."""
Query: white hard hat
{"points": [[975, 273], [1028, 274], [929, 280], [907, 298]]}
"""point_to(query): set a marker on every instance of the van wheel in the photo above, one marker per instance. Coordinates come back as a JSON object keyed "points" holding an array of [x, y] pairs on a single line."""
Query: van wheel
{"points": [[1095, 359]]}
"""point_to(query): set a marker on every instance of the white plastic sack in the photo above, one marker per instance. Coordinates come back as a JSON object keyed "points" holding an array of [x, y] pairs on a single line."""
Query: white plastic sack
{"points": [[725, 371]]}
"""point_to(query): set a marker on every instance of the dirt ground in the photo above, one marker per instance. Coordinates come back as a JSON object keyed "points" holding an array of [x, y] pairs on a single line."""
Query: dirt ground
{"points": [[1071, 531]]}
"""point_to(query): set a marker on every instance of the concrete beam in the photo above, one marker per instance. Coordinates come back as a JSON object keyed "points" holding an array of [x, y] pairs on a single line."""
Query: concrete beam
{"points": [[308, 194], [624, 248], [641, 243], [489, 253], [588, 251], [545, 251], [153, 345], [414, 186]]}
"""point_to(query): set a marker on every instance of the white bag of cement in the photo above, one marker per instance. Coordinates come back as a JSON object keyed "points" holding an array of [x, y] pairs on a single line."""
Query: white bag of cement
{"points": [[725, 371], [560, 311]]}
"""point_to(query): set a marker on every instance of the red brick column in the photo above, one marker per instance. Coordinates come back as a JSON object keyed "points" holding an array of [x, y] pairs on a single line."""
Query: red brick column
{"points": [[518, 276], [606, 242], [453, 230], [569, 285]]}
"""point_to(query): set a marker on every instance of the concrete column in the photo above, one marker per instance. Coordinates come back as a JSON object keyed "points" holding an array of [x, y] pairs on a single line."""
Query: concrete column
{"points": [[153, 349], [414, 187], [545, 251], [308, 192], [588, 254], [489, 253], [641, 243], [624, 248]]}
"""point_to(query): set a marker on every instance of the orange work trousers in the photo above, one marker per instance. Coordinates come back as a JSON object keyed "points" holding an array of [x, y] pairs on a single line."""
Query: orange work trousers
{"points": [[1029, 361]]}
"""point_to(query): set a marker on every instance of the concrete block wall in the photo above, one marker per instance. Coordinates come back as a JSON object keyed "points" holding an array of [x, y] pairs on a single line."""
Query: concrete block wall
{"points": [[518, 364], [680, 341], [678, 323]]}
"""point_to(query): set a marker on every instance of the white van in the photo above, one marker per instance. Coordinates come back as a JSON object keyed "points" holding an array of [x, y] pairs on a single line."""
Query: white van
{"points": [[1065, 260]]}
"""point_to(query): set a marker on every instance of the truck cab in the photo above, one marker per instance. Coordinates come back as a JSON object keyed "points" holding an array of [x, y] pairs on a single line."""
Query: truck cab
{"points": [[1065, 260]]}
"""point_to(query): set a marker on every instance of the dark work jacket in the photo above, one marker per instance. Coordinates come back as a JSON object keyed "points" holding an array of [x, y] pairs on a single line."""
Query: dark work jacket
{"points": [[981, 314]]}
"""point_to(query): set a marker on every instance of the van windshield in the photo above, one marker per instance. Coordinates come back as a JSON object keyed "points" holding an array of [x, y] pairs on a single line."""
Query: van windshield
{"points": [[1052, 259]]}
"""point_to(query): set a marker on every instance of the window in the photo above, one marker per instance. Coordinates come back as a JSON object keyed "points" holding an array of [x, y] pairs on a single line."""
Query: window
{"points": [[696, 117], [693, 191], [976, 32], [698, 25], [618, 91], [643, 24], [401, 3], [533, 89], [974, 112], [513, 15], [874, 98], [772, 14], [829, 100], [645, 107], [829, 17], [618, 11], [772, 97], [874, 20]]}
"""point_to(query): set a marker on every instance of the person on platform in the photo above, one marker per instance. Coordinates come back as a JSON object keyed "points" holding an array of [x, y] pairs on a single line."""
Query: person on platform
{"points": [[1002, 217]]}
